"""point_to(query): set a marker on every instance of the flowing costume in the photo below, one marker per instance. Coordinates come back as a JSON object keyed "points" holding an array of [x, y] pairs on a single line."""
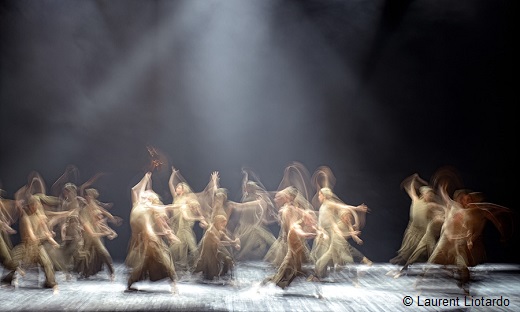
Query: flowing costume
{"points": [[148, 256]]}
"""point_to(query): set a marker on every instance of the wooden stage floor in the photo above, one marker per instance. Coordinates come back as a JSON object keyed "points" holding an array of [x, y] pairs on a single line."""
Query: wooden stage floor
{"points": [[497, 284]]}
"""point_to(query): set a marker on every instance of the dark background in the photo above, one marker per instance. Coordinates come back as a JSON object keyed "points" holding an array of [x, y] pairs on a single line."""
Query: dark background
{"points": [[376, 90]]}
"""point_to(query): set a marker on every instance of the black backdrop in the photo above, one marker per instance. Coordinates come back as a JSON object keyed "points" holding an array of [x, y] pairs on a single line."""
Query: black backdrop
{"points": [[376, 90]]}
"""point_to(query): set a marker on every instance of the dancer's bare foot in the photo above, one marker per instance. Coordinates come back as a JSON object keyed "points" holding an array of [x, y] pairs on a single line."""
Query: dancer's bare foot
{"points": [[313, 278], [397, 275], [174, 290], [366, 261], [20, 271]]}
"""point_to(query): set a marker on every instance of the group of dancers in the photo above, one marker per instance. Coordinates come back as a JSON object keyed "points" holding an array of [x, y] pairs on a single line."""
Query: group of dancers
{"points": [[64, 230], [164, 241], [446, 226]]}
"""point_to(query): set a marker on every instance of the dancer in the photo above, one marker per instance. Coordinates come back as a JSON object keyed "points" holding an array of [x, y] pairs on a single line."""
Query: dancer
{"points": [[255, 238], [215, 261], [347, 226], [148, 256], [426, 245], [182, 220], [288, 213], [459, 244], [94, 254], [72, 244], [220, 204], [292, 265], [5, 241], [424, 209], [182, 192], [348, 222], [335, 251], [34, 232], [185, 252], [291, 199], [49, 212]]}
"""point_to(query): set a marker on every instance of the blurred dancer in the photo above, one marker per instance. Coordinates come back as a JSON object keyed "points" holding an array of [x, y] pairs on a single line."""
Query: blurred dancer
{"points": [[182, 193], [148, 256], [93, 222], [254, 214], [292, 264], [220, 204], [333, 249], [288, 213], [5, 241], [33, 233], [49, 212], [424, 209], [291, 199], [460, 242], [185, 252], [215, 260], [348, 222]]}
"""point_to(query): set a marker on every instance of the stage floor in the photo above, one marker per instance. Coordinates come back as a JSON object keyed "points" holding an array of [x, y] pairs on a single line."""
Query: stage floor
{"points": [[497, 284]]}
